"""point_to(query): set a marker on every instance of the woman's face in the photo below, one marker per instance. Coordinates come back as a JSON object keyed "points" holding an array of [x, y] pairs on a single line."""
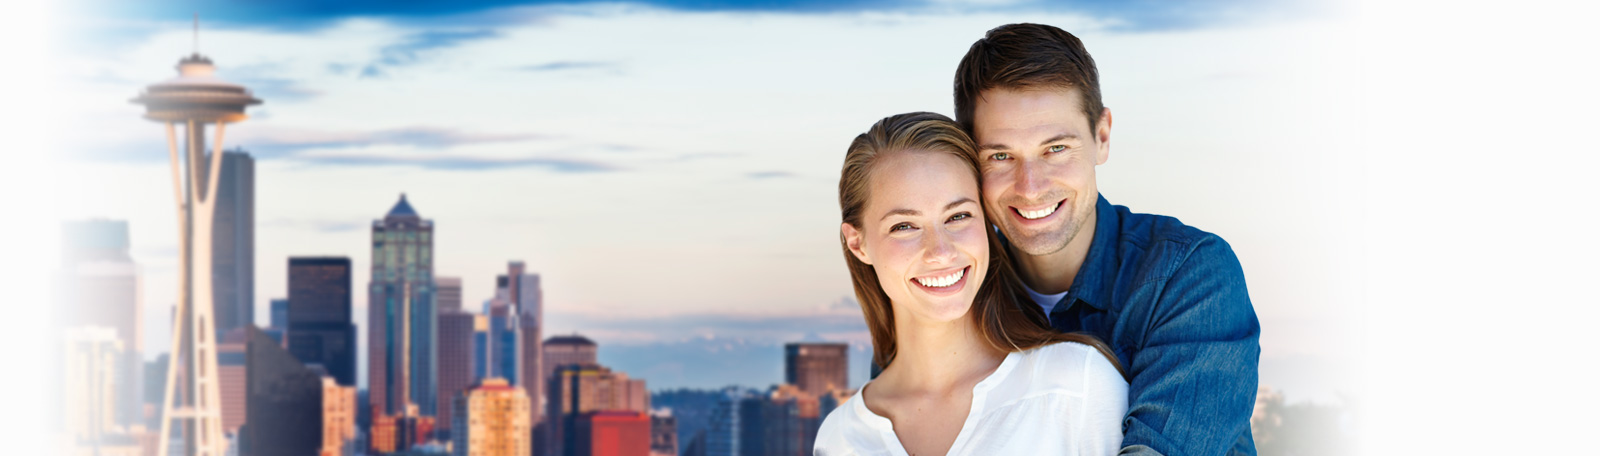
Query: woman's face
{"points": [[923, 233]]}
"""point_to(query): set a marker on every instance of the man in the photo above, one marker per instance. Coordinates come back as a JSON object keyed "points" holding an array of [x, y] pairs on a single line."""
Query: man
{"points": [[1169, 299]]}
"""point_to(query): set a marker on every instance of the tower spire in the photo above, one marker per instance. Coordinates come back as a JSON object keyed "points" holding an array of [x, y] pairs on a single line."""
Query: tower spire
{"points": [[196, 33]]}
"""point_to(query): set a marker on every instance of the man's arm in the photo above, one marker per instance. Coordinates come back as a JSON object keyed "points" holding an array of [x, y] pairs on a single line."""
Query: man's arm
{"points": [[1193, 382]]}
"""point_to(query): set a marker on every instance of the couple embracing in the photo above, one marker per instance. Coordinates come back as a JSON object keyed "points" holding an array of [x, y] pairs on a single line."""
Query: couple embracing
{"points": [[1014, 310]]}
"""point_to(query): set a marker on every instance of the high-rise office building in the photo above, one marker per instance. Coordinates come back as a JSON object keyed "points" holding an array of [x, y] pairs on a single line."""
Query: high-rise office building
{"points": [[458, 333], [612, 433], [91, 357], [505, 340], [98, 286], [817, 367], [492, 420], [567, 350], [338, 418], [401, 324], [663, 433], [577, 389], [515, 316], [285, 401], [722, 436], [784, 422], [320, 327], [280, 313], [233, 243], [447, 291], [233, 378]]}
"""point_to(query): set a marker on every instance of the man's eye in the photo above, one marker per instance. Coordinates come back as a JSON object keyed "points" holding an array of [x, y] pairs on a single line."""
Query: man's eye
{"points": [[1056, 148], [900, 226], [961, 216], [1000, 156]]}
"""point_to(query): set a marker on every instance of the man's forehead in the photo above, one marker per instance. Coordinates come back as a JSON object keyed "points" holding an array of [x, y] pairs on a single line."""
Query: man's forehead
{"points": [[1012, 109]]}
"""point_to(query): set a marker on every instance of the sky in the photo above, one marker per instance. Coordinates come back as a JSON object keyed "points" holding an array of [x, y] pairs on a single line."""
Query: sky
{"points": [[670, 168], [1412, 188]]}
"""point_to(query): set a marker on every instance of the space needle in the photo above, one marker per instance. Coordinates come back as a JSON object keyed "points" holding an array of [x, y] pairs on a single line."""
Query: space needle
{"points": [[195, 99]]}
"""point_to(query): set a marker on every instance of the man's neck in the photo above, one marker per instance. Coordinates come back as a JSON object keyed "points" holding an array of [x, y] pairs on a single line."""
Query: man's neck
{"points": [[1053, 273]]}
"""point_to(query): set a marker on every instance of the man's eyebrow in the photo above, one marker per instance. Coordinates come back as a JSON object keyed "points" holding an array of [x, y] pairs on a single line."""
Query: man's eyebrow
{"points": [[997, 146], [914, 212], [1058, 137]]}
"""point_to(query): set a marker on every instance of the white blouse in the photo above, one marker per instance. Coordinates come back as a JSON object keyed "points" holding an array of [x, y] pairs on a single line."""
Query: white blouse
{"points": [[1059, 399]]}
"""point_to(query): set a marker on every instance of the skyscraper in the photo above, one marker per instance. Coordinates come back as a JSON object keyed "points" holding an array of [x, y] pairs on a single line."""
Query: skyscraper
{"points": [[91, 359], [515, 323], [338, 418], [817, 367], [233, 378], [285, 401], [233, 243], [457, 331], [492, 420], [280, 313], [566, 350], [320, 329], [577, 389], [98, 286], [448, 291], [401, 313]]}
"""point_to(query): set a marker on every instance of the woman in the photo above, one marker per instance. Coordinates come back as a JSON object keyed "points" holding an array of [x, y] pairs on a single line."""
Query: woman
{"points": [[966, 369]]}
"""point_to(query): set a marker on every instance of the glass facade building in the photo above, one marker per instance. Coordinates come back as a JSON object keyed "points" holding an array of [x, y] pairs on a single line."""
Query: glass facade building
{"points": [[402, 317]]}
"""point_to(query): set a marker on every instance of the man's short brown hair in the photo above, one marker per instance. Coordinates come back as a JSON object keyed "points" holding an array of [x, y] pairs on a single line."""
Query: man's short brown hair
{"points": [[1027, 56]]}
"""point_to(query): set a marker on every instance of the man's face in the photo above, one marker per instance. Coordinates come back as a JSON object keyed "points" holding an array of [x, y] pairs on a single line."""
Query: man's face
{"points": [[1037, 152]]}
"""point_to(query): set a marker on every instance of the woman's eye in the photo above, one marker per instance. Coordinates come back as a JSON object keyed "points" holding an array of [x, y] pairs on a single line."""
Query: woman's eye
{"points": [[1056, 148], [998, 156], [900, 226], [961, 216]]}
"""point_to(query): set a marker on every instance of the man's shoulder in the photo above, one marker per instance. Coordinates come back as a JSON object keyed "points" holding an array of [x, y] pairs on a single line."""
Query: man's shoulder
{"points": [[1148, 230], [1164, 243]]}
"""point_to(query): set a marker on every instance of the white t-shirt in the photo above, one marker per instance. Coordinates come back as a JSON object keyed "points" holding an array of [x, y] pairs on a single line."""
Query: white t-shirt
{"points": [[1059, 399], [1045, 301]]}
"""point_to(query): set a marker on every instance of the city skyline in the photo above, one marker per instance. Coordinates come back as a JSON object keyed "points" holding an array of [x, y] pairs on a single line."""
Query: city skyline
{"points": [[716, 213]]}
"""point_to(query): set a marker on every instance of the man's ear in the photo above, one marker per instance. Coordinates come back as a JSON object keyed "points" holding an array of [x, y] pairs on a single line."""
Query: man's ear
{"points": [[1102, 136], [852, 241]]}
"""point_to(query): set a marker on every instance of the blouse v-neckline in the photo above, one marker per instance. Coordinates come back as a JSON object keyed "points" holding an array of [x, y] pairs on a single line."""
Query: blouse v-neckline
{"points": [[980, 392]]}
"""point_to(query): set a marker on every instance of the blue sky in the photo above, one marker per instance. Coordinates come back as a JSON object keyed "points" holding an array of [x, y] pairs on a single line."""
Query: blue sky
{"points": [[670, 167]]}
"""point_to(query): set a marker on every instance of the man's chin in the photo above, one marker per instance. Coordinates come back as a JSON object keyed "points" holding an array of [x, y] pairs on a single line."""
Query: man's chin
{"points": [[1038, 244]]}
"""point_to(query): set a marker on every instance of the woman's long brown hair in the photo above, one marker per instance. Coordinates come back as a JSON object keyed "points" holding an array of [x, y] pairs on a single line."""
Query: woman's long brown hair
{"points": [[997, 311]]}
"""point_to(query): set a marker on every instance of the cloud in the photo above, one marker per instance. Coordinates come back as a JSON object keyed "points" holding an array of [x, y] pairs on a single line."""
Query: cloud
{"points": [[284, 141], [303, 14], [763, 175], [570, 65], [277, 90], [460, 163], [319, 226], [411, 49]]}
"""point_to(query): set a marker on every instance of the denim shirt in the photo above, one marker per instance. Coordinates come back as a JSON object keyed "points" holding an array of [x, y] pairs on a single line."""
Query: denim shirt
{"points": [[1170, 300]]}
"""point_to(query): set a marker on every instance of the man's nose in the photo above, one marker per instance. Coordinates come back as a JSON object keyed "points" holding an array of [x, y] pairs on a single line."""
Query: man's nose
{"points": [[1033, 181]]}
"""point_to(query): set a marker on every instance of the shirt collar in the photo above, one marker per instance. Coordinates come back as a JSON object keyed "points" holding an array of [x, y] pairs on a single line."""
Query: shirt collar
{"points": [[1091, 285]]}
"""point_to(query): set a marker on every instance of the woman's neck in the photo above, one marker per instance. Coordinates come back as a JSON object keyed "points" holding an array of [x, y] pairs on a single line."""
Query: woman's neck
{"points": [[939, 356]]}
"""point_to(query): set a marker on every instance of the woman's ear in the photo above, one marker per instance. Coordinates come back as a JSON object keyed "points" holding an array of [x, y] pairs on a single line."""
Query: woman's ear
{"points": [[852, 241]]}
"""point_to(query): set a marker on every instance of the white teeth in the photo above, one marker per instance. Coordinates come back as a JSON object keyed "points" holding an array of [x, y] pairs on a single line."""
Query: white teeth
{"points": [[1039, 214], [941, 282]]}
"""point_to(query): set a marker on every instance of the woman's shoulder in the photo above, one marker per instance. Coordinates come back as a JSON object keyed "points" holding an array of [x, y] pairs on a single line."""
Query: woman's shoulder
{"points": [[846, 432], [1072, 366]]}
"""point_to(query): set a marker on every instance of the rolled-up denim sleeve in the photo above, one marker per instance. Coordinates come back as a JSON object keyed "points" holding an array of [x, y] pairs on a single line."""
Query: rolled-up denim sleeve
{"points": [[1193, 380]]}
